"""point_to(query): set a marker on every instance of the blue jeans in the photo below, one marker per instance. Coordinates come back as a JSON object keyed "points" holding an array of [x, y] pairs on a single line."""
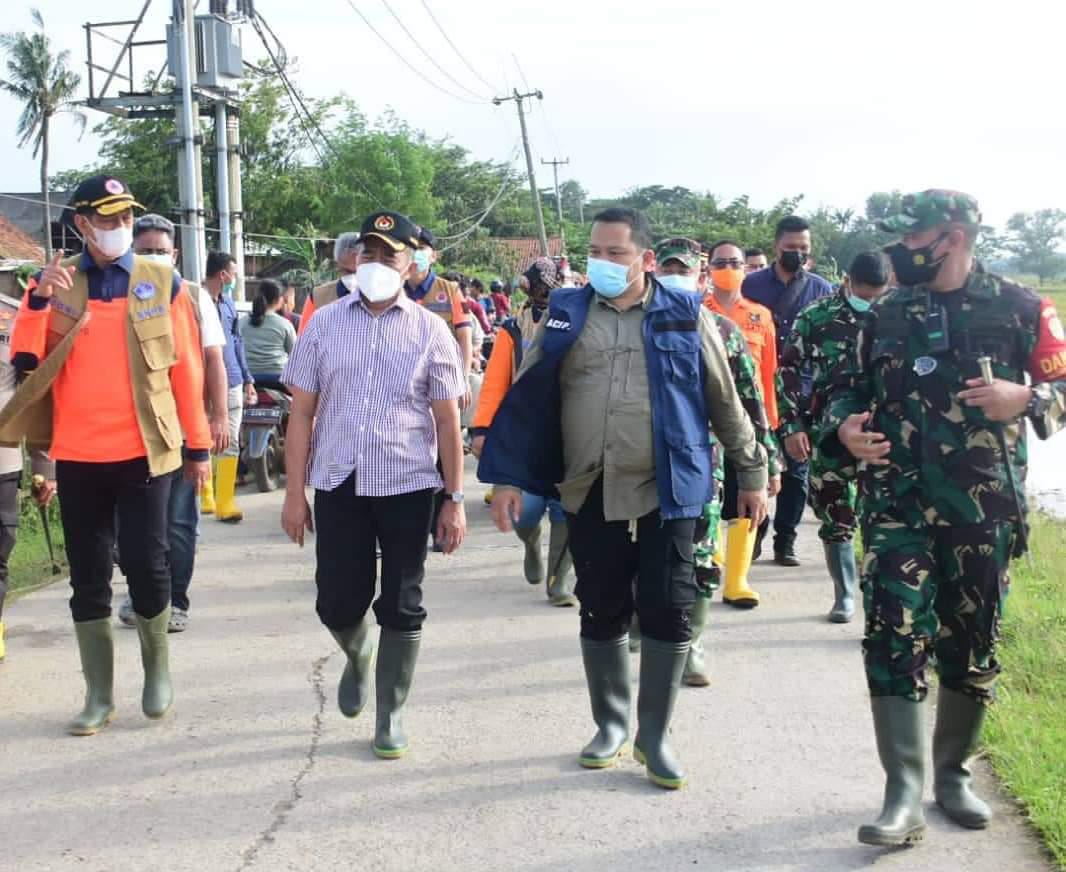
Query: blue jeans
{"points": [[791, 502], [533, 509], [183, 516]]}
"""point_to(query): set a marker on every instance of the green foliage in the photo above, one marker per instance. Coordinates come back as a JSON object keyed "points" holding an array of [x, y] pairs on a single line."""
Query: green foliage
{"points": [[1034, 240], [1026, 736]]}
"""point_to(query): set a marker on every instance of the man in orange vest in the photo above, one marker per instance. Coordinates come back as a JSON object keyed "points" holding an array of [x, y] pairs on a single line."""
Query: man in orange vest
{"points": [[344, 256], [110, 342]]}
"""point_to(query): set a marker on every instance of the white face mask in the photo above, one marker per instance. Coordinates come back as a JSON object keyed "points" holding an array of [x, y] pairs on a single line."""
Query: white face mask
{"points": [[161, 259], [378, 282], [113, 243], [349, 281]]}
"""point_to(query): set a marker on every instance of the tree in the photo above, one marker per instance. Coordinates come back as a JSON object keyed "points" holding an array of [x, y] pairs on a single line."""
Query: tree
{"points": [[1034, 239], [46, 86]]}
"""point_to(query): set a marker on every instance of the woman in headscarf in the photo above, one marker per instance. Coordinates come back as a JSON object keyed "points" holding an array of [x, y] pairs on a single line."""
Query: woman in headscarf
{"points": [[513, 338]]}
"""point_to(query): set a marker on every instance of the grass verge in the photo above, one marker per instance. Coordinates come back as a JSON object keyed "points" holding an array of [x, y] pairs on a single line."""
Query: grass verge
{"points": [[1026, 735], [30, 566]]}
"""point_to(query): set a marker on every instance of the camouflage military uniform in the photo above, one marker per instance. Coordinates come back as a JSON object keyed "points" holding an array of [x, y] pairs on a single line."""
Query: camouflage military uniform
{"points": [[939, 521], [708, 572], [822, 337]]}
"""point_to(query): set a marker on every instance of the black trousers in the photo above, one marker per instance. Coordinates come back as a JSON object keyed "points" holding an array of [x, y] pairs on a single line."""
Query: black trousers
{"points": [[607, 561], [93, 495], [349, 529], [9, 520]]}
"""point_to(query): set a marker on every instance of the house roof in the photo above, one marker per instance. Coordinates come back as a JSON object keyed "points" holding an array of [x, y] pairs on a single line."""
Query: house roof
{"points": [[16, 245], [522, 251], [23, 210]]}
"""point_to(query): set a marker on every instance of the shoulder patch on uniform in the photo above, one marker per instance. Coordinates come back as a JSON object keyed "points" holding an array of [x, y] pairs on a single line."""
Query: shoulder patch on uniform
{"points": [[557, 324], [925, 365]]}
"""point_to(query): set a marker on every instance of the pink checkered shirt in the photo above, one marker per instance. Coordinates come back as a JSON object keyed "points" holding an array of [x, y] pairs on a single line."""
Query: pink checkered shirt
{"points": [[375, 378]]}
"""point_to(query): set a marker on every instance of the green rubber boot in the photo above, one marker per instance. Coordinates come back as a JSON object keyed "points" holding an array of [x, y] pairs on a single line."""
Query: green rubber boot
{"points": [[661, 665], [958, 727], [158, 693], [97, 650], [560, 564], [840, 560], [533, 565], [397, 654], [354, 687], [900, 727], [695, 674], [607, 675]]}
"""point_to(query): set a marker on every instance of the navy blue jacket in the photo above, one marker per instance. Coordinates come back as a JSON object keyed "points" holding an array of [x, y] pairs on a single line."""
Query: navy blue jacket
{"points": [[524, 446]]}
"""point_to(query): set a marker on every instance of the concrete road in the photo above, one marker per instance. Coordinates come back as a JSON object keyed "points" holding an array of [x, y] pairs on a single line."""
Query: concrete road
{"points": [[256, 768]]}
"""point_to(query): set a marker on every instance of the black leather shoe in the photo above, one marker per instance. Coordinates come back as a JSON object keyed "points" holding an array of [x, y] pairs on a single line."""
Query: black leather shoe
{"points": [[786, 556]]}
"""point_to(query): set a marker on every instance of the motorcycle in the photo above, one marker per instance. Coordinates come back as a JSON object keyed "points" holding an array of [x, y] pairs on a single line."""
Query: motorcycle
{"points": [[263, 438]]}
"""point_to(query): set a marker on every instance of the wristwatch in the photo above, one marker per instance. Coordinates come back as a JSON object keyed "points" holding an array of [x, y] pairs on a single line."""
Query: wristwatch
{"points": [[455, 497], [1039, 402]]}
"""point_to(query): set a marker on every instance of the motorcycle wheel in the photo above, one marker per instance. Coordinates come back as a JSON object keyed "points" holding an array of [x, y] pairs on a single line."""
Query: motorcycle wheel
{"points": [[266, 468]]}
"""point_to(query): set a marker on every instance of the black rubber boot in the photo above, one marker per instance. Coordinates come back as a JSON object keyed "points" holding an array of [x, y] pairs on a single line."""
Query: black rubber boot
{"points": [[560, 564], [353, 691], [397, 654], [661, 665], [959, 719], [695, 674], [634, 634], [900, 727], [607, 675], [97, 650], [840, 560], [158, 695], [533, 565]]}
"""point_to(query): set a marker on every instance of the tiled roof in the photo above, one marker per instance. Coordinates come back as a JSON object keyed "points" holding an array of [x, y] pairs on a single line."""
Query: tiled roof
{"points": [[523, 251], [16, 245]]}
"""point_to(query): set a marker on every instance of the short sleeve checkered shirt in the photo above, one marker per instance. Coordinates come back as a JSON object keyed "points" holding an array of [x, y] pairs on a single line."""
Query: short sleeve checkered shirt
{"points": [[375, 378]]}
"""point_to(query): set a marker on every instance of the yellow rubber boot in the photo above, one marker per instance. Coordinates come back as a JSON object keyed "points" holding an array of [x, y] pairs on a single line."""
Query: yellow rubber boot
{"points": [[740, 542], [225, 489], [207, 493], [3, 645]]}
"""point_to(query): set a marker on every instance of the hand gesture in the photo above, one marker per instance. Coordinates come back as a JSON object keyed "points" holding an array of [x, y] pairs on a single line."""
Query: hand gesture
{"points": [[1000, 401], [54, 276], [798, 446], [451, 527], [864, 445]]}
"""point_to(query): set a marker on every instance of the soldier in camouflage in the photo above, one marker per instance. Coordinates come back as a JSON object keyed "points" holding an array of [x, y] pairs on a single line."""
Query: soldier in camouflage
{"points": [[939, 519], [678, 263], [822, 336]]}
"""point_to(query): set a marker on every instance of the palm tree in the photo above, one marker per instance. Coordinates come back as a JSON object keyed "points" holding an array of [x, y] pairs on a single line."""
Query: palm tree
{"points": [[46, 86]]}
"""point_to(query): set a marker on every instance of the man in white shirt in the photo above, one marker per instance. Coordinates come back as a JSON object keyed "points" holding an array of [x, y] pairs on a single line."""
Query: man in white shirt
{"points": [[153, 238]]}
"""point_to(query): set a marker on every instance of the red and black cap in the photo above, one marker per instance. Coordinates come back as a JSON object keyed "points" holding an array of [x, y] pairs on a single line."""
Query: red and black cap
{"points": [[395, 230], [104, 195]]}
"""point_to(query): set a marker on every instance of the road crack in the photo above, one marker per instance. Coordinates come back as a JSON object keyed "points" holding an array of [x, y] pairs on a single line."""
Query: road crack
{"points": [[284, 808]]}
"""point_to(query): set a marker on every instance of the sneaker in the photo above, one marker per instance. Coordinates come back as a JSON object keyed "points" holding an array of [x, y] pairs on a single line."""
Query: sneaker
{"points": [[125, 613], [179, 620]]}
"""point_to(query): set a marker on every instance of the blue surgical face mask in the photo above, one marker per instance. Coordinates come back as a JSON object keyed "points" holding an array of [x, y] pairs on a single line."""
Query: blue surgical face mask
{"points": [[229, 288], [858, 303], [609, 279], [678, 282], [422, 257]]}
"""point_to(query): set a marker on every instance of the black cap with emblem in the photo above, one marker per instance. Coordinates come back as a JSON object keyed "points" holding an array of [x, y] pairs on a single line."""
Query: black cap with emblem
{"points": [[395, 230]]}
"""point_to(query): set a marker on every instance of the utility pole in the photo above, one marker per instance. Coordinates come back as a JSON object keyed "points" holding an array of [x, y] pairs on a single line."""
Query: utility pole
{"points": [[533, 189], [555, 164], [188, 127]]}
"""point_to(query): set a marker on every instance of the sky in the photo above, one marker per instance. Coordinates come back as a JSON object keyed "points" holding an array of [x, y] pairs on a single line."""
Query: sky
{"points": [[832, 99]]}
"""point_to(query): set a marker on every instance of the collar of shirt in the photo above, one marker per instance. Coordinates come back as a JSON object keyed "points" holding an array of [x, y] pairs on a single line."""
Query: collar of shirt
{"points": [[649, 292], [418, 292], [87, 264], [342, 289]]}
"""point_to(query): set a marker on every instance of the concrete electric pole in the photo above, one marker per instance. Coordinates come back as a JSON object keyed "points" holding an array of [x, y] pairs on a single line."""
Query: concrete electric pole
{"points": [[555, 164], [518, 98]]}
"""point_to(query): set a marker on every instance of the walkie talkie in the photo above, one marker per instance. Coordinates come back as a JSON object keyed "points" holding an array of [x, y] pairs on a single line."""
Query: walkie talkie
{"points": [[936, 329]]}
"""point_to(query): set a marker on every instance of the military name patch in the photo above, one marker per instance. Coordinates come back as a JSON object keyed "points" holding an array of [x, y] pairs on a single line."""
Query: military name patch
{"points": [[144, 291], [153, 312], [925, 365]]}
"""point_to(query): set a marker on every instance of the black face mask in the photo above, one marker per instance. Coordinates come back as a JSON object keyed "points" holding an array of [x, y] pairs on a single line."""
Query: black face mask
{"points": [[791, 261], [916, 266]]}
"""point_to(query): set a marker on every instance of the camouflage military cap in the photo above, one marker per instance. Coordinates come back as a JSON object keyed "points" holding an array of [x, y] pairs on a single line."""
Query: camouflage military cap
{"points": [[931, 209], [680, 248]]}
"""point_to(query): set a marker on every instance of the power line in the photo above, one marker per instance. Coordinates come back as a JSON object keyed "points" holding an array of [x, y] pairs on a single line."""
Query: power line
{"points": [[406, 63], [541, 111], [462, 57], [507, 182], [427, 55]]}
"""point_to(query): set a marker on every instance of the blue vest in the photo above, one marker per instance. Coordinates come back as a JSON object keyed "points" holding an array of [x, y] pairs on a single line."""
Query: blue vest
{"points": [[524, 446]]}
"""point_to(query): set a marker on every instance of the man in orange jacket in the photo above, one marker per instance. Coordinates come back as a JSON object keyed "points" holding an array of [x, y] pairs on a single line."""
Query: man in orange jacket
{"points": [[110, 342], [512, 339], [727, 270]]}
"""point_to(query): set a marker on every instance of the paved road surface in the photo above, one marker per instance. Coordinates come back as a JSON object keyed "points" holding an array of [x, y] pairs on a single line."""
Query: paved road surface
{"points": [[256, 769]]}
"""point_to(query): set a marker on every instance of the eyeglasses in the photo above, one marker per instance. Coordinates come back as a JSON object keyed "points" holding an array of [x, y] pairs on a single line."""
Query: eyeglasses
{"points": [[732, 263]]}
